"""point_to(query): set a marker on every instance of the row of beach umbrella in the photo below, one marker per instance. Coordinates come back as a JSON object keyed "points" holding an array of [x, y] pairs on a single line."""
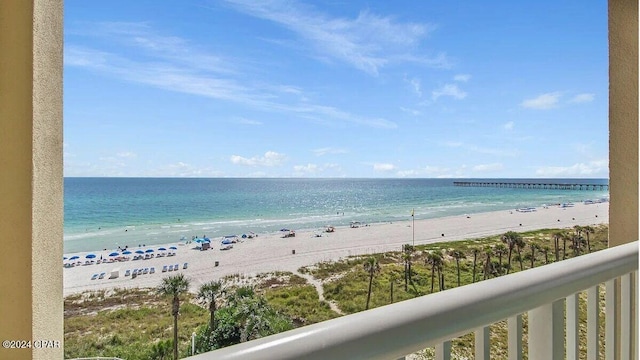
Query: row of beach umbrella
{"points": [[115, 253]]}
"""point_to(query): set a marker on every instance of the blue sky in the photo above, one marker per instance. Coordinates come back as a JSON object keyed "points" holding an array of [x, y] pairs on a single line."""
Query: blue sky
{"points": [[243, 88]]}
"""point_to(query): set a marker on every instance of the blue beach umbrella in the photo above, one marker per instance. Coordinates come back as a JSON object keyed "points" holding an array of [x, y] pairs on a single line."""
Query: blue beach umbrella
{"points": [[90, 256], [173, 248], [162, 249], [114, 254], [149, 251], [64, 258], [126, 252], [74, 257], [139, 252]]}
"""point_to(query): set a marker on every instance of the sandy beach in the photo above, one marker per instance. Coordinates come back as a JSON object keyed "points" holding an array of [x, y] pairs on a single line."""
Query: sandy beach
{"points": [[271, 252]]}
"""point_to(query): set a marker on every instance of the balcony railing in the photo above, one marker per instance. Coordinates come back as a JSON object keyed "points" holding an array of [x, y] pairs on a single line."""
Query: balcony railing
{"points": [[549, 294]]}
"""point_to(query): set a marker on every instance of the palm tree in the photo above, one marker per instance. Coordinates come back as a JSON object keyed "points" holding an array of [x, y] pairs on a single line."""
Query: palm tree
{"points": [[475, 252], [174, 286], [588, 230], [510, 238], [533, 253], [434, 259], [207, 294], [520, 244], [372, 267], [407, 255], [500, 250], [457, 254], [487, 266], [556, 243], [545, 250]]}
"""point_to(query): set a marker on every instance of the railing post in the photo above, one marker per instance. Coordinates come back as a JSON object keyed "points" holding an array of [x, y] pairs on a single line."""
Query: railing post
{"points": [[572, 327], [625, 317], [514, 337], [546, 332], [443, 351], [482, 343], [611, 320], [593, 323]]}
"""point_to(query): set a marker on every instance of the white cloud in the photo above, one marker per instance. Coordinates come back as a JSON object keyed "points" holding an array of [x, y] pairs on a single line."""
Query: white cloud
{"points": [[508, 125], [448, 90], [308, 169], [415, 86], [462, 77], [245, 121], [126, 154], [427, 171], [596, 168], [542, 102], [488, 167], [270, 158], [383, 167], [582, 98], [329, 150], [369, 42], [413, 112]]}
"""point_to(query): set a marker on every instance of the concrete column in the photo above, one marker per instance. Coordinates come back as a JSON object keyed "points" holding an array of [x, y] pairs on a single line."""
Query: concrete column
{"points": [[31, 198]]}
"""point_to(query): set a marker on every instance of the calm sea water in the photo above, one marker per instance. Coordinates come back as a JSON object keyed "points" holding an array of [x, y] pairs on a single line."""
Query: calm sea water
{"points": [[104, 213]]}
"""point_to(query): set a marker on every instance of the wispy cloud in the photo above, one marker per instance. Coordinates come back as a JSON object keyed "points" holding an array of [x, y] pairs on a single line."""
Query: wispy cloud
{"points": [[270, 158], [509, 125], [593, 168], [488, 167], [542, 102], [169, 63], [313, 169], [582, 98], [329, 150], [383, 167], [368, 42], [462, 77], [448, 90]]}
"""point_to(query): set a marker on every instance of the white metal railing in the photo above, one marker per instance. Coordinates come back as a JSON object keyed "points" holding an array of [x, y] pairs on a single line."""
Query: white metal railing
{"points": [[393, 331]]}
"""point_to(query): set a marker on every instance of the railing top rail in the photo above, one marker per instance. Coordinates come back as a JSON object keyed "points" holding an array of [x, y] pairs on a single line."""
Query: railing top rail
{"points": [[402, 328]]}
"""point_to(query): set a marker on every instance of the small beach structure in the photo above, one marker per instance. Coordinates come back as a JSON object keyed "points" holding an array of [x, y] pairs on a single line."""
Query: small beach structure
{"points": [[286, 233]]}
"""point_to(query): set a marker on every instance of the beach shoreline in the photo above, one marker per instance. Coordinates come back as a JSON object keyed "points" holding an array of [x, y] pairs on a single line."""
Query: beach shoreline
{"points": [[271, 252]]}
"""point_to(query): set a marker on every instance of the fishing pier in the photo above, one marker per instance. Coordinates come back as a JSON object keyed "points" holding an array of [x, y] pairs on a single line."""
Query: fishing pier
{"points": [[531, 185]]}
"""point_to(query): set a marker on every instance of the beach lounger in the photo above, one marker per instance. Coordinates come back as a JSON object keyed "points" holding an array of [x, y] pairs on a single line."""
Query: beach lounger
{"points": [[127, 273], [176, 267], [170, 267], [102, 275], [164, 268], [185, 265], [134, 274], [145, 271], [95, 276], [152, 270]]}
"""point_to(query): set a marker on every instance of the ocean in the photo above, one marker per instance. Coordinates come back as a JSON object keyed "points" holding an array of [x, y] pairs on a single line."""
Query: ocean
{"points": [[106, 213]]}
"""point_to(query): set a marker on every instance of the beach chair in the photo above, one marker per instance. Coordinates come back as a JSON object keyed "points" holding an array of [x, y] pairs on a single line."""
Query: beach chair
{"points": [[152, 270], [95, 276], [170, 267], [164, 268], [185, 265], [127, 273], [176, 267], [102, 275], [145, 271]]}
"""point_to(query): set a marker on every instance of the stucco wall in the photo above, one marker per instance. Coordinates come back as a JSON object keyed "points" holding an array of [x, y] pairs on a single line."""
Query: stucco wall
{"points": [[623, 121], [31, 198]]}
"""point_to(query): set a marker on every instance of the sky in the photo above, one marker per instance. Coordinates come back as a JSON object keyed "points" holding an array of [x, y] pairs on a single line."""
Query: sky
{"points": [[336, 88]]}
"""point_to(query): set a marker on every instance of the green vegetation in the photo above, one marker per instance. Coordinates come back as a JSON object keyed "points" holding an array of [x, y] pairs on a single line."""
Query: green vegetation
{"points": [[138, 324]]}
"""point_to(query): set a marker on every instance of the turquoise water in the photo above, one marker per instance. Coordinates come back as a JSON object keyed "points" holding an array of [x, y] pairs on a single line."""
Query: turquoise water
{"points": [[104, 213]]}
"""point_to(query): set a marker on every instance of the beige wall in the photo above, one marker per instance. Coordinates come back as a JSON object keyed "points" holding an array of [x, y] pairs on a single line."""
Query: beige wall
{"points": [[623, 121], [31, 212]]}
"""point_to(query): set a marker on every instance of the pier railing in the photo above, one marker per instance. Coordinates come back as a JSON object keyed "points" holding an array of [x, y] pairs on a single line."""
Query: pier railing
{"points": [[532, 185], [549, 294]]}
